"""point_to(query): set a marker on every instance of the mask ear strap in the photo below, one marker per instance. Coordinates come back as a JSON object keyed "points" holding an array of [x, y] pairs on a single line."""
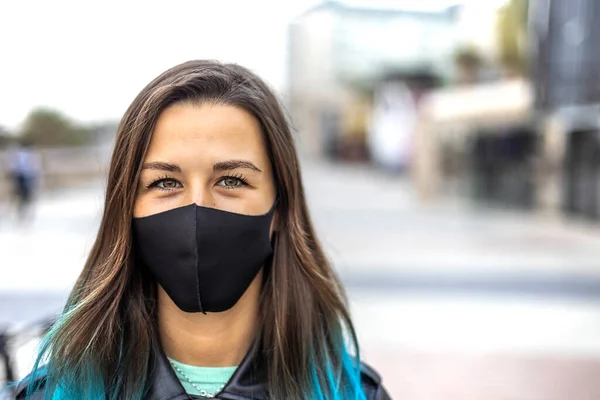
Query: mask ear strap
{"points": [[268, 265], [274, 206]]}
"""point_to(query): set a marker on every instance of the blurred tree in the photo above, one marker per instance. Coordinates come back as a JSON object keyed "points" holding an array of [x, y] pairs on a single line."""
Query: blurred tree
{"points": [[468, 61], [6, 137], [512, 36], [46, 127], [102, 132]]}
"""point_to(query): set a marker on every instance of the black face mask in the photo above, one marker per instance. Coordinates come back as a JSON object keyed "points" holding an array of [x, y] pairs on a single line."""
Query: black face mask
{"points": [[204, 258]]}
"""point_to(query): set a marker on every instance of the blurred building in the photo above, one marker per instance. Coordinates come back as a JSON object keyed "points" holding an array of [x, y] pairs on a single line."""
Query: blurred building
{"points": [[533, 141], [339, 50], [566, 78], [566, 60]]}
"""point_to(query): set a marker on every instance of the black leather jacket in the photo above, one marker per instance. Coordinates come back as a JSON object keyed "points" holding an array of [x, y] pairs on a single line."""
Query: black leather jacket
{"points": [[247, 383]]}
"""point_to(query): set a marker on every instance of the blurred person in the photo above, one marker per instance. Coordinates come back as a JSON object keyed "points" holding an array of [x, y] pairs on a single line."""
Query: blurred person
{"points": [[6, 357], [206, 278], [24, 168]]}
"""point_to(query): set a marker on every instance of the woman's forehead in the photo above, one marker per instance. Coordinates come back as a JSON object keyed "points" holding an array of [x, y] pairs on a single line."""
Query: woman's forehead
{"points": [[207, 130]]}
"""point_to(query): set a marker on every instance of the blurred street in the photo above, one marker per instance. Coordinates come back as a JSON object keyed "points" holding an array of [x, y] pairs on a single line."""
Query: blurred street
{"points": [[450, 300], [453, 178]]}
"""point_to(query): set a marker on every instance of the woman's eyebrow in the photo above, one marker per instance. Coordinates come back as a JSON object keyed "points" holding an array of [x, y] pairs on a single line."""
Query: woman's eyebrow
{"points": [[162, 166], [234, 164]]}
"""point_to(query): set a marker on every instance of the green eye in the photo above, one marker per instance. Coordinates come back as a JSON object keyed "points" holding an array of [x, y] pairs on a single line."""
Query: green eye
{"points": [[231, 182], [165, 184]]}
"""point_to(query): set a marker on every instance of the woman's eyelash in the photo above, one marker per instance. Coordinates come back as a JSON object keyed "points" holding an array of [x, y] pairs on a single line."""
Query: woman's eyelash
{"points": [[158, 180], [239, 181], [239, 176]]}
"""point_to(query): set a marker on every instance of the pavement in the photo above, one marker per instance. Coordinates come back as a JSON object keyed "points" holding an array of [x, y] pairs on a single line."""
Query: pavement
{"points": [[450, 300]]}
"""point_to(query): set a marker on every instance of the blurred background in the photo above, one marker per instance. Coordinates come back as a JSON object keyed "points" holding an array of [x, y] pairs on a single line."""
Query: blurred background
{"points": [[450, 154]]}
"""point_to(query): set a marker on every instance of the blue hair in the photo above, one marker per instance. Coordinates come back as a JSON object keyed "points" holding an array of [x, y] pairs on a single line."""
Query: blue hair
{"points": [[84, 381], [339, 380], [62, 376]]}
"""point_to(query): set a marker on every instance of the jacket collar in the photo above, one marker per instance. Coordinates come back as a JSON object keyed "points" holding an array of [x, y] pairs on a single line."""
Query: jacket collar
{"points": [[248, 381]]}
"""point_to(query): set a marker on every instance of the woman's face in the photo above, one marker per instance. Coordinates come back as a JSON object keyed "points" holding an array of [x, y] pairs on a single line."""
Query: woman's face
{"points": [[211, 155]]}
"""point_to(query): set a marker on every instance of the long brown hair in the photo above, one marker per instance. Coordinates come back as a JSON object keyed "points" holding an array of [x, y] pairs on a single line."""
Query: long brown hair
{"points": [[105, 338]]}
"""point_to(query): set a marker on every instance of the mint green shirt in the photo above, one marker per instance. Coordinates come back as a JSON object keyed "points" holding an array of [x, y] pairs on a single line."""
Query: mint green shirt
{"points": [[210, 379]]}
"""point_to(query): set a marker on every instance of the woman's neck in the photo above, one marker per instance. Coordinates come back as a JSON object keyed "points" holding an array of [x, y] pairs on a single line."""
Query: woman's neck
{"points": [[211, 340]]}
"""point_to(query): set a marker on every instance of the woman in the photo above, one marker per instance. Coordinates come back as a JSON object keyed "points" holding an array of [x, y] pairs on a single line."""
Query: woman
{"points": [[206, 278]]}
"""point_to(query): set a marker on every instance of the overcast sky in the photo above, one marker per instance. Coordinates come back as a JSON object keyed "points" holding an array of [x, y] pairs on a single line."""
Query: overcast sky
{"points": [[90, 59]]}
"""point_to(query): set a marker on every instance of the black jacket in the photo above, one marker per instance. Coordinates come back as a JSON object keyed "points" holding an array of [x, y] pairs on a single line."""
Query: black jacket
{"points": [[247, 383]]}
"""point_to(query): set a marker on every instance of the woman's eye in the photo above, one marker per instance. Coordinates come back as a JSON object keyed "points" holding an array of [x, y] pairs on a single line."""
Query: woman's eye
{"points": [[230, 182], [166, 184]]}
